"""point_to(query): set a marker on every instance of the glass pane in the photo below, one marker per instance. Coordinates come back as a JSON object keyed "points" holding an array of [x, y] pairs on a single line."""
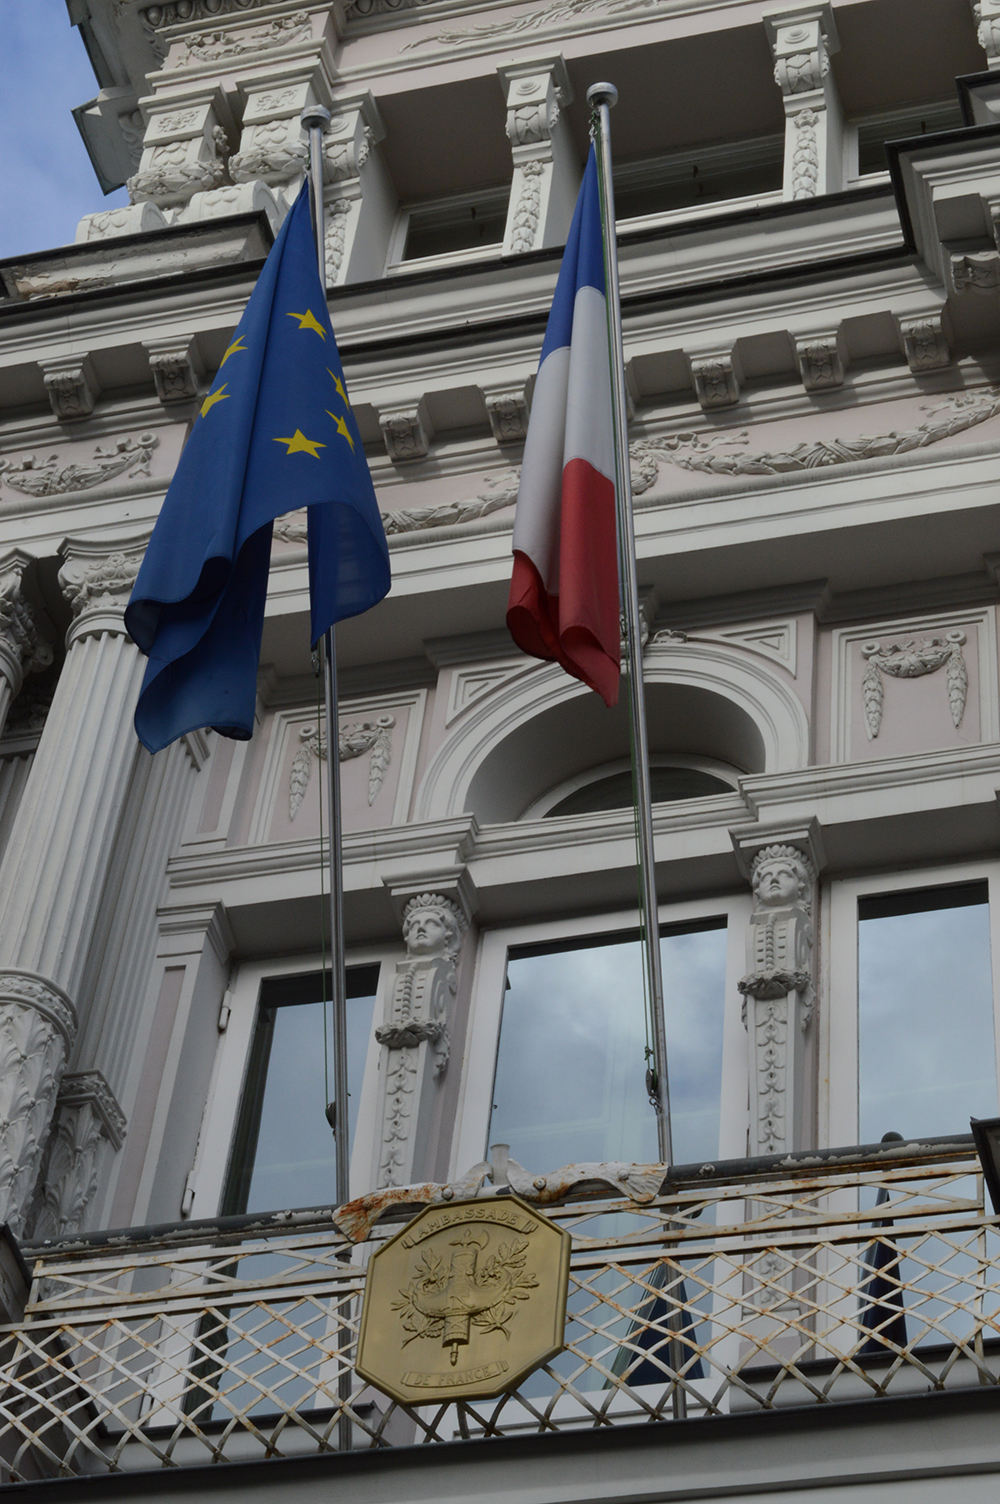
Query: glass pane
{"points": [[570, 1078], [926, 1057], [284, 1151], [615, 791]]}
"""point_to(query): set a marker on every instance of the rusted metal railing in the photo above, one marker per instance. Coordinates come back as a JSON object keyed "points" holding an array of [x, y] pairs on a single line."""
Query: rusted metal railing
{"points": [[715, 1289]]}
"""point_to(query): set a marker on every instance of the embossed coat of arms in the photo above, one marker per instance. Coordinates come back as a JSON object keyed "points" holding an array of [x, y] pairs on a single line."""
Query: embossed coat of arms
{"points": [[464, 1302]]}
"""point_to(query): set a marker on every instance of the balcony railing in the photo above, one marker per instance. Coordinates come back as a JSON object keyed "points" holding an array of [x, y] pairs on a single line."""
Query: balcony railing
{"points": [[741, 1287]]}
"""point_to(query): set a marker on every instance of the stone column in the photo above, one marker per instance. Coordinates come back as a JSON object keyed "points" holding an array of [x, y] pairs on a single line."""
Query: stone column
{"points": [[415, 1038], [778, 995], [22, 650], [57, 858], [546, 168], [803, 38]]}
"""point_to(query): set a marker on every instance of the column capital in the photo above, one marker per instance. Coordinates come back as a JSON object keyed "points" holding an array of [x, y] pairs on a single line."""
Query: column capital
{"points": [[750, 841], [22, 649], [97, 576], [29, 989]]}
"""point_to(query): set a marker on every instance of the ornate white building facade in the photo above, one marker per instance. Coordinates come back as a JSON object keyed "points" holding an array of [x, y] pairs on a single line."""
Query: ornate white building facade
{"points": [[812, 343]]}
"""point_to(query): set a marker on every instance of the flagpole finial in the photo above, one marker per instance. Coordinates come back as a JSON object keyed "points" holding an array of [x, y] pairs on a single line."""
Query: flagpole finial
{"points": [[599, 94], [315, 116]]}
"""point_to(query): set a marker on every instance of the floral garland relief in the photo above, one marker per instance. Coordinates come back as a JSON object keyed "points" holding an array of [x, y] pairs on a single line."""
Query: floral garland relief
{"points": [[912, 660], [355, 740]]}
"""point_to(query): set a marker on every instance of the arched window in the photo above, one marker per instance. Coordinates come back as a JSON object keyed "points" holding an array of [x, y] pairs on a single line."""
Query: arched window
{"points": [[672, 777]]}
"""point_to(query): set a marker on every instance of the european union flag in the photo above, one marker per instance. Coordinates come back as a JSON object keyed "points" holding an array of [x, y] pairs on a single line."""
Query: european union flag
{"points": [[276, 432]]}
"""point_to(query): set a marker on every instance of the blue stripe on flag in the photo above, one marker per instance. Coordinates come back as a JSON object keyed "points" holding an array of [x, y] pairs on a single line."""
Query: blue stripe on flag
{"points": [[583, 261]]}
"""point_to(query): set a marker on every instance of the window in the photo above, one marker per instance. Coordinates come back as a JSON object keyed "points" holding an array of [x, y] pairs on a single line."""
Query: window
{"points": [[265, 1143], [707, 176], [912, 1036], [461, 225], [283, 1151], [556, 1064], [867, 137], [672, 777]]}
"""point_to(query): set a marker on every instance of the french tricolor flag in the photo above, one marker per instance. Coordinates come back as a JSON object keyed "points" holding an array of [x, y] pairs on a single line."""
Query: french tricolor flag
{"points": [[564, 591]]}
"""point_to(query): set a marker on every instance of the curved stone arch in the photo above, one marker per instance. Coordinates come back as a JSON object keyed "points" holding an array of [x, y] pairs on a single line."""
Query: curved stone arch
{"points": [[731, 673]]}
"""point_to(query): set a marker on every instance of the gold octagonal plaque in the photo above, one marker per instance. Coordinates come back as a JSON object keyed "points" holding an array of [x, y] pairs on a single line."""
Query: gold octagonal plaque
{"points": [[464, 1302]]}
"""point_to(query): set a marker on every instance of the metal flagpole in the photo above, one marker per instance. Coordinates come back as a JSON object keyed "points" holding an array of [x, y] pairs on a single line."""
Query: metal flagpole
{"points": [[602, 97], [315, 118]]}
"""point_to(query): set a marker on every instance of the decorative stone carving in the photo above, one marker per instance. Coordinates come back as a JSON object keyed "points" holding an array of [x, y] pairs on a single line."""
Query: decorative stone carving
{"points": [[974, 270], [527, 212], [912, 660], [925, 342], [275, 151], [97, 586], [194, 10], [292, 528], [693, 451], [22, 649], [87, 1122], [987, 16], [821, 361], [717, 379], [219, 46], [406, 431], [71, 386], [777, 992], [176, 368], [355, 740], [805, 154], [508, 414], [128, 456], [546, 169], [335, 237], [131, 219], [424, 987], [37, 1029]]}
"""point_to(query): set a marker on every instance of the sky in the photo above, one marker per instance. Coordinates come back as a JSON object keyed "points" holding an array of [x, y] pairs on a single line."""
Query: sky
{"points": [[47, 183]]}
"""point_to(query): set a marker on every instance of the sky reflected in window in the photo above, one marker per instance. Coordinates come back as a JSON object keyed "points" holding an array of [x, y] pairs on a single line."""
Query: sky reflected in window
{"points": [[284, 1151], [926, 1057], [570, 1079]]}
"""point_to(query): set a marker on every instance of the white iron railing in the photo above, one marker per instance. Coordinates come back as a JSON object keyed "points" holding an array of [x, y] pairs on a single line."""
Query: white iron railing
{"points": [[745, 1287]]}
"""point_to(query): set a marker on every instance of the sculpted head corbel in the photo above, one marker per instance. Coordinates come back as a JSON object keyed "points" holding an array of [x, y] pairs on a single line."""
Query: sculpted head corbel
{"points": [[783, 877], [432, 926]]}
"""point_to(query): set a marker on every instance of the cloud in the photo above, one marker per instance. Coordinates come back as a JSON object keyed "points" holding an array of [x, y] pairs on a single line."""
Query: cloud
{"points": [[48, 183]]}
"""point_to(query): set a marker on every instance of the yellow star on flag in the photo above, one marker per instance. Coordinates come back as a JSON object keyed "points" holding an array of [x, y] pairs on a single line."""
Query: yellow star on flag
{"points": [[340, 389], [308, 321], [236, 348], [299, 444], [342, 428], [214, 397]]}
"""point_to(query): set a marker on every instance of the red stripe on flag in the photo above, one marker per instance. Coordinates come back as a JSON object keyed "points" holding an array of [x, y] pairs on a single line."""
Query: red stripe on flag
{"points": [[579, 627]]}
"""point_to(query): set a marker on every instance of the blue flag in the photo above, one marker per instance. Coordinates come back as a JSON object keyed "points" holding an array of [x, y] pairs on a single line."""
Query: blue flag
{"points": [[276, 432]]}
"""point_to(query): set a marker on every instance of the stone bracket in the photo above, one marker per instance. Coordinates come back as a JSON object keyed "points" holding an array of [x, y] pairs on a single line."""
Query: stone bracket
{"points": [[177, 368], [406, 431], [717, 377], [926, 340], [749, 840], [507, 408], [71, 385], [822, 359]]}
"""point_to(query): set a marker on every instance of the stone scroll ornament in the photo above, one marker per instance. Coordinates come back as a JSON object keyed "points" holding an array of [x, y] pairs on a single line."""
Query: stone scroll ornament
{"points": [[912, 660], [355, 740], [424, 987], [777, 989], [34, 477]]}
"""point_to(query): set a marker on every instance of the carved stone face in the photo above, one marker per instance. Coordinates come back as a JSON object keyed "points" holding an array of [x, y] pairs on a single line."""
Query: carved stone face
{"points": [[779, 883], [427, 934]]}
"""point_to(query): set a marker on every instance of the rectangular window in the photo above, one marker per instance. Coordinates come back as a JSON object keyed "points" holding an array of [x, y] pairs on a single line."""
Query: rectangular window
{"points": [[283, 1151], [926, 1049], [571, 1062]]}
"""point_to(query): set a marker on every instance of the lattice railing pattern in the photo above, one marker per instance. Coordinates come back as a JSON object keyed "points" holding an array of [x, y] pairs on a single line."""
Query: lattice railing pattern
{"points": [[744, 1295]]}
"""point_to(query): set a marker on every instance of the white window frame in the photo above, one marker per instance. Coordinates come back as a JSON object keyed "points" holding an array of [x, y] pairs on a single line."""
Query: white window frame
{"points": [[208, 1178], [838, 1044], [483, 1031]]}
